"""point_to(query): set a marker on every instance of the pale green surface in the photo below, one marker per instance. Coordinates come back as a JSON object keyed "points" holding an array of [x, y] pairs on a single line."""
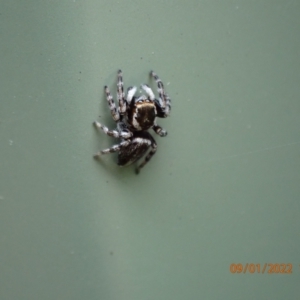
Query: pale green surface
{"points": [[223, 187]]}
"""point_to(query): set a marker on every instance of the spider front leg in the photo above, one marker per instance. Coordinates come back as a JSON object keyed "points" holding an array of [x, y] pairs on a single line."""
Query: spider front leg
{"points": [[121, 133], [163, 104], [114, 111], [148, 91], [121, 94], [130, 94]]}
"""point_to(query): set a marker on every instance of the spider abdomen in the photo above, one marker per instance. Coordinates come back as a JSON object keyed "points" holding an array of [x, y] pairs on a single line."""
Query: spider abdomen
{"points": [[140, 143]]}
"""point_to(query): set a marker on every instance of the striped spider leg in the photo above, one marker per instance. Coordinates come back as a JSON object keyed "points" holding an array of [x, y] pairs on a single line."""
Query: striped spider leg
{"points": [[163, 104], [117, 114]]}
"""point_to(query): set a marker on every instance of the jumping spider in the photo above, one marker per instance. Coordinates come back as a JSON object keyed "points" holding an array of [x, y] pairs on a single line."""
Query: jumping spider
{"points": [[134, 117]]}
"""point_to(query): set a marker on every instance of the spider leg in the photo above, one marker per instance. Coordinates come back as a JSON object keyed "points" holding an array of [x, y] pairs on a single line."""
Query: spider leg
{"points": [[114, 148], [159, 130], [148, 157], [121, 94], [148, 91], [114, 112], [164, 102], [125, 134], [130, 93]]}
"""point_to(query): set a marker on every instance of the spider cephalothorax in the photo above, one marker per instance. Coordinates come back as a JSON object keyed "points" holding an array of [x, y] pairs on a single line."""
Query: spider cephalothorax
{"points": [[134, 116], [141, 114]]}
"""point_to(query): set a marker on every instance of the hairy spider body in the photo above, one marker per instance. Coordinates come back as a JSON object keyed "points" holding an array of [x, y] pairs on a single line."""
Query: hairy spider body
{"points": [[134, 117]]}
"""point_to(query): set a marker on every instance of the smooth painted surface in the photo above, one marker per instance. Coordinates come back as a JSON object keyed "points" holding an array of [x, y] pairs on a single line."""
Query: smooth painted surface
{"points": [[223, 187]]}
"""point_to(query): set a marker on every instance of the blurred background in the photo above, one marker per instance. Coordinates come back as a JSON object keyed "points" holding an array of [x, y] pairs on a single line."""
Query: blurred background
{"points": [[223, 187]]}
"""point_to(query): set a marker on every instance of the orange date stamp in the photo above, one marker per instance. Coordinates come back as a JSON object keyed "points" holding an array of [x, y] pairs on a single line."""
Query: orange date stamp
{"points": [[265, 268]]}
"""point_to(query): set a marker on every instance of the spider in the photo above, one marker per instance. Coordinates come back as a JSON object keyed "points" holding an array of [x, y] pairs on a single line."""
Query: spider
{"points": [[134, 117]]}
